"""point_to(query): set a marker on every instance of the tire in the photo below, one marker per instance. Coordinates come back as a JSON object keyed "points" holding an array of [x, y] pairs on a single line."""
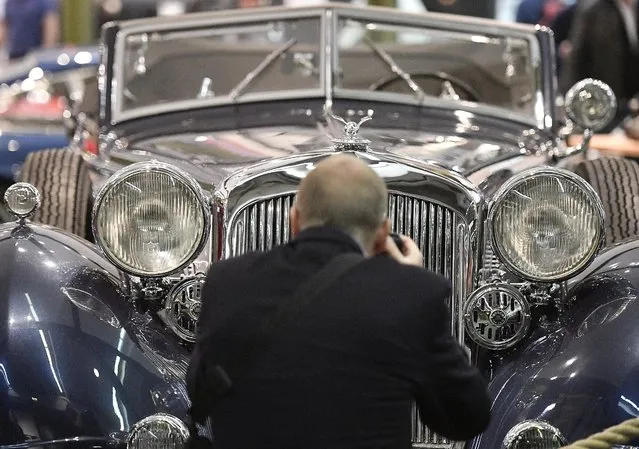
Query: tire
{"points": [[62, 178], [616, 180]]}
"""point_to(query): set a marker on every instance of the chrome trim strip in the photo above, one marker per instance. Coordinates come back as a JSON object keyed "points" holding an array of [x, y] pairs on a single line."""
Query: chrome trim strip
{"points": [[436, 102]]}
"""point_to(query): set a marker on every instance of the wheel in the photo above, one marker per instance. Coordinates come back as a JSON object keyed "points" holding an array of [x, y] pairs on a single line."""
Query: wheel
{"points": [[445, 80], [62, 178], [616, 180]]}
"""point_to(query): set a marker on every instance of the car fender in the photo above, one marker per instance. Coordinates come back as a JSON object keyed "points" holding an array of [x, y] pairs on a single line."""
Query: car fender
{"points": [[579, 372], [77, 358]]}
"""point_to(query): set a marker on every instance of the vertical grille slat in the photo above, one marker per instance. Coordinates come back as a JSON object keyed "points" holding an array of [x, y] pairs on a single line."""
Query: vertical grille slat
{"points": [[439, 232]]}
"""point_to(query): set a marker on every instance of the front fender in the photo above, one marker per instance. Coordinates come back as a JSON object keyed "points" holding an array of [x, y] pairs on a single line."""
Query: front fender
{"points": [[76, 358], [581, 372]]}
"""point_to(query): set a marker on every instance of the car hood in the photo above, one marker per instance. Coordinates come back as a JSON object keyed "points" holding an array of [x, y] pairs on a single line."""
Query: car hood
{"points": [[212, 156]]}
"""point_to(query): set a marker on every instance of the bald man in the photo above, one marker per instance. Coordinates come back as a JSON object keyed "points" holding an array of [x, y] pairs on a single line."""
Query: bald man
{"points": [[346, 369]]}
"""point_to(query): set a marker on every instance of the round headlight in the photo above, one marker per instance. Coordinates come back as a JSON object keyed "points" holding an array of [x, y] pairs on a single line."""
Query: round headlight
{"points": [[158, 431], [591, 104], [546, 224], [534, 435], [151, 219]]}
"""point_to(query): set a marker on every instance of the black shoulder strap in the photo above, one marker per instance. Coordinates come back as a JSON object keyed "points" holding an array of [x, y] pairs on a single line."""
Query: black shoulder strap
{"points": [[220, 379]]}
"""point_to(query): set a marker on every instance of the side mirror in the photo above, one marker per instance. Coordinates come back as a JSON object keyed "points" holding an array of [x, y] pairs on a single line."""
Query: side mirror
{"points": [[591, 104]]}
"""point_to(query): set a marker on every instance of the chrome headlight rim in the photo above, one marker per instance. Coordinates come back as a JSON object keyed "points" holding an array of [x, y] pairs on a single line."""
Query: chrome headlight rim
{"points": [[515, 432], [570, 101], [176, 423], [521, 332], [523, 176], [146, 167]]}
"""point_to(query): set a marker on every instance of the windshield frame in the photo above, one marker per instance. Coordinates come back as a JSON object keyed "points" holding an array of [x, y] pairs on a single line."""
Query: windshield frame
{"points": [[539, 38]]}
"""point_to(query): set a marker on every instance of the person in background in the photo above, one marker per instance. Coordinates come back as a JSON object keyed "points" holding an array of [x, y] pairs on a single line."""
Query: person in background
{"points": [[561, 26], [345, 369], [541, 12], [605, 46], [109, 10], [26, 25]]}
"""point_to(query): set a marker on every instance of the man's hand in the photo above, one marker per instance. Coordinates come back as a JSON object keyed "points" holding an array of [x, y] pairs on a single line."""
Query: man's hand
{"points": [[411, 254]]}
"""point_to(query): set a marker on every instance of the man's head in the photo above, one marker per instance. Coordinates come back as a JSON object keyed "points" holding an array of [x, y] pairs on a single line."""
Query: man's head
{"points": [[344, 192]]}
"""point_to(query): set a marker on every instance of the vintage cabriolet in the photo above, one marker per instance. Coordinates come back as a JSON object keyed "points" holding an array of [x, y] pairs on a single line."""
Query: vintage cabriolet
{"points": [[207, 126]]}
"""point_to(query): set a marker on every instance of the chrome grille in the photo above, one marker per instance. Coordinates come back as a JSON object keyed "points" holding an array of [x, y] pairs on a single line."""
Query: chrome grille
{"points": [[441, 234], [261, 225]]}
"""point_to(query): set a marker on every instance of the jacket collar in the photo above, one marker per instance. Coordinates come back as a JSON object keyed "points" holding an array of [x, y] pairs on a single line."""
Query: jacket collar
{"points": [[328, 235]]}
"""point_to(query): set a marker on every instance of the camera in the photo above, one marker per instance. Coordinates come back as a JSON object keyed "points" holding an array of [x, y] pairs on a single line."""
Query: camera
{"points": [[398, 241]]}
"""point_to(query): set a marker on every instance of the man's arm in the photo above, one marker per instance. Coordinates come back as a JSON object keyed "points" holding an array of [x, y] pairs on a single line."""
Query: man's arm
{"points": [[51, 24], [453, 399]]}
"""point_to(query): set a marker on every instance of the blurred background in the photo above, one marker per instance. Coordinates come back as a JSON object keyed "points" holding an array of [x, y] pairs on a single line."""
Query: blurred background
{"points": [[79, 21], [30, 25]]}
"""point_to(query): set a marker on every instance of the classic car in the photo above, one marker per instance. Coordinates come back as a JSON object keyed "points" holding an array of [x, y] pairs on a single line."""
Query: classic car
{"points": [[207, 125], [39, 97]]}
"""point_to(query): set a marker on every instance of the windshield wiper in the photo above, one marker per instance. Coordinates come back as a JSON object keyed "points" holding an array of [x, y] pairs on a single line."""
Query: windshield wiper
{"points": [[268, 60], [395, 68]]}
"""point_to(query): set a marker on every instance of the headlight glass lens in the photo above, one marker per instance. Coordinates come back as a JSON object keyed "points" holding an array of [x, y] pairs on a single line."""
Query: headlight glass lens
{"points": [[150, 220], [547, 225], [534, 434], [159, 431]]}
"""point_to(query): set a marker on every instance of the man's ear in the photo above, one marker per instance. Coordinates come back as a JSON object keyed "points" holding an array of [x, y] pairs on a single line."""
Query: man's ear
{"points": [[382, 233], [295, 221]]}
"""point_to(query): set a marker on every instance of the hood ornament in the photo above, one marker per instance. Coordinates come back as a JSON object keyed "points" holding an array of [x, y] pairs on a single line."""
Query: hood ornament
{"points": [[350, 140]]}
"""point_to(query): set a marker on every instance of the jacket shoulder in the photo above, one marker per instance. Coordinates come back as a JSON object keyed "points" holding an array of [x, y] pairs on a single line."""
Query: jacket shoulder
{"points": [[233, 265], [412, 278]]}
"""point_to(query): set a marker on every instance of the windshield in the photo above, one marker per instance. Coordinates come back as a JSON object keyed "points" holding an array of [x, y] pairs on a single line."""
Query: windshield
{"points": [[219, 62], [179, 69], [417, 62]]}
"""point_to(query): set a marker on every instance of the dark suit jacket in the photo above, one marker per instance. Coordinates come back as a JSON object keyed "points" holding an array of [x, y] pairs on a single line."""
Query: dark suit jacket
{"points": [[345, 373], [601, 50]]}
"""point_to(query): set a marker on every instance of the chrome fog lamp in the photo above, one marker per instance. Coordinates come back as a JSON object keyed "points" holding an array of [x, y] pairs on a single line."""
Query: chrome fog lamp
{"points": [[159, 431], [546, 224], [534, 434], [591, 104], [497, 316], [151, 219]]}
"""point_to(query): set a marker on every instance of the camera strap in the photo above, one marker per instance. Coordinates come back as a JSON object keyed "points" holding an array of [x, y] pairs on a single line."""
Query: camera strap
{"points": [[218, 380]]}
